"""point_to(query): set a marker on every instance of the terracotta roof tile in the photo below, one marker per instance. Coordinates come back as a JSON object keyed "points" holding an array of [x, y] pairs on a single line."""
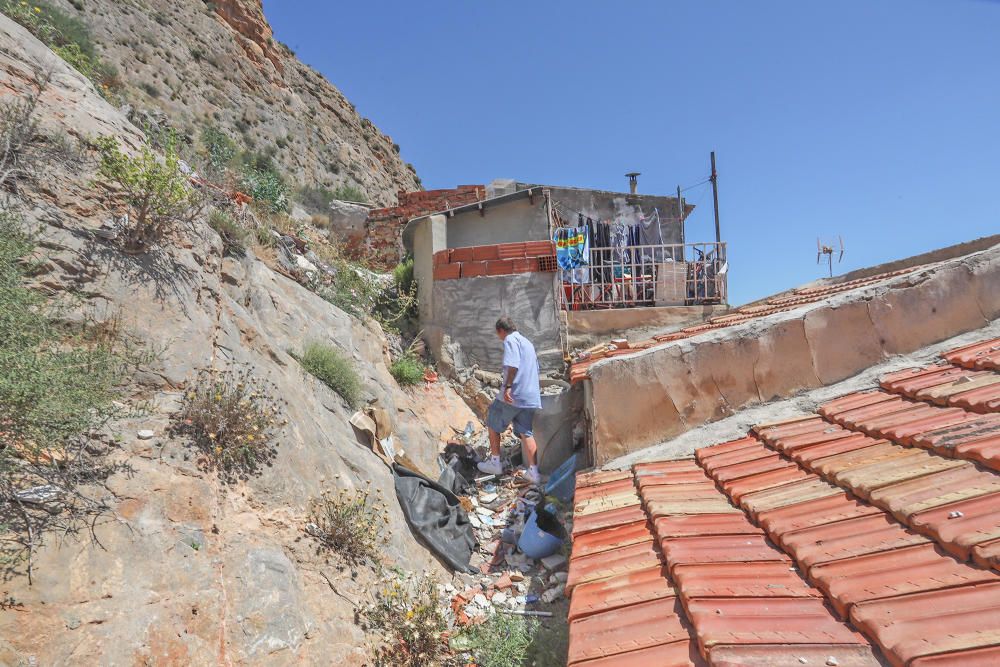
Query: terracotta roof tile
{"points": [[704, 524], [626, 629], [804, 490], [987, 554], [764, 655], [585, 479], [719, 549], [778, 621], [666, 467], [609, 519], [960, 526], [809, 455], [817, 512], [790, 427], [916, 495], [738, 471], [765, 480], [719, 505], [945, 440], [831, 465], [977, 657], [935, 623], [889, 573], [605, 489], [983, 399], [675, 654], [687, 477], [942, 394], [704, 453], [745, 455], [611, 563], [910, 383], [623, 590], [980, 356], [791, 443], [859, 399], [599, 503], [863, 480], [735, 580], [845, 539], [611, 538]]}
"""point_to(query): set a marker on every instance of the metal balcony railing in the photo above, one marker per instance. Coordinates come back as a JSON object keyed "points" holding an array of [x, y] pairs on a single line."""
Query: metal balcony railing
{"points": [[647, 275]]}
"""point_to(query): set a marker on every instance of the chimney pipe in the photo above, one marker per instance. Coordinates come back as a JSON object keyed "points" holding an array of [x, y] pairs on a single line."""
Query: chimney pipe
{"points": [[633, 181]]}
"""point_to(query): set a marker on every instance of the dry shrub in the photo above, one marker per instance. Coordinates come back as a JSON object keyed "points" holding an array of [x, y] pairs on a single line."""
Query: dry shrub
{"points": [[409, 622], [233, 417], [353, 524]]}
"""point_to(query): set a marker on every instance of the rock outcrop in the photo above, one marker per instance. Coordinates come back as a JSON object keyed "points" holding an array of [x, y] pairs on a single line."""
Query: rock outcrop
{"points": [[187, 569], [217, 63]]}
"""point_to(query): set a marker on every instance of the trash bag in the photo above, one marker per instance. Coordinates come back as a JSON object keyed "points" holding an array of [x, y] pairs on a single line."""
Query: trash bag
{"points": [[455, 482], [435, 515]]}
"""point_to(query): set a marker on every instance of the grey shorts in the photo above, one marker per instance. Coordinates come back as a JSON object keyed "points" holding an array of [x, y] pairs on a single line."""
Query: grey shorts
{"points": [[501, 415]]}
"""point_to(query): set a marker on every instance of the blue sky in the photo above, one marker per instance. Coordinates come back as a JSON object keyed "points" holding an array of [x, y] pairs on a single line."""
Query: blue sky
{"points": [[877, 120]]}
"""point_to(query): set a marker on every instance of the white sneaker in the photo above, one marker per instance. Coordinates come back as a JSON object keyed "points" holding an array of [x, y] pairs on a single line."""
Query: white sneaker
{"points": [[491, 466]]}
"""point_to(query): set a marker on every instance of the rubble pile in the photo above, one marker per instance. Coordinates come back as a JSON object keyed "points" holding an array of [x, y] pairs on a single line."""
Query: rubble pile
{"points": [[501, 510]]}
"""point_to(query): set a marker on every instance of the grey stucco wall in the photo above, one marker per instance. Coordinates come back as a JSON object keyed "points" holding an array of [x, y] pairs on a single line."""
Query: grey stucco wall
{"points": [[602, 205], [510, 222], [468, 308]]}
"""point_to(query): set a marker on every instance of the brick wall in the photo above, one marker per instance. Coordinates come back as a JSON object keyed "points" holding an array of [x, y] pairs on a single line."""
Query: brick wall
{"points": [[382, 246], [495, 260]]}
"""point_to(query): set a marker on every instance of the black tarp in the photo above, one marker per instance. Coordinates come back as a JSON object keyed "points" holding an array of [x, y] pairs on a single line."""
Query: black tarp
{"points": [[436, 516]]}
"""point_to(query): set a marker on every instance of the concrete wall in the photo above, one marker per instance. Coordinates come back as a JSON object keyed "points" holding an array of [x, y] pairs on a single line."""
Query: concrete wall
{"points": [[602, 205], [467, 309], [509, 222], [428, 238], [651, 397], [589, 327]]}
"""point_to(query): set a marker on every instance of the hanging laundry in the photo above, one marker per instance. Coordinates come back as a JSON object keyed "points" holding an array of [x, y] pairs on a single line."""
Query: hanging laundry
{"points": [[572, 247]]}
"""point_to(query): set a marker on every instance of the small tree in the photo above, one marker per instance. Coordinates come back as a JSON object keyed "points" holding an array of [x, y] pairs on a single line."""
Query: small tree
{"points": [[159, 198]]}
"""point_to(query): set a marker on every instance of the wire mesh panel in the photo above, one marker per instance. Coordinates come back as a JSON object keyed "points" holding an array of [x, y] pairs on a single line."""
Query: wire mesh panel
{"points": [[647, 275]]}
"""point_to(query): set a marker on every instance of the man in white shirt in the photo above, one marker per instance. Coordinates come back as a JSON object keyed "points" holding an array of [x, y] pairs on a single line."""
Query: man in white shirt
{"points": [[519, 398]]}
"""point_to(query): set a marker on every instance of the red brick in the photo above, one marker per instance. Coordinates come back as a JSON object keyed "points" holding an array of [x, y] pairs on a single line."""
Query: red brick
{"points": [[525, 265], [447, 271], [484, 253], [442, 257], [538, 248], [473, 269], [511, 250], [462, 255], [500, 267]]}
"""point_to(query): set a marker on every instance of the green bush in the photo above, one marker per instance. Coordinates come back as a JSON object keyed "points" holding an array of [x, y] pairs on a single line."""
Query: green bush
{"points": [[260, 178], [235, 237], [347, 192], [501, 641], [334, 369], [234, 419], [159, 198], [315, 198], [408, 370], [56, 383], [220, 150], [68, 36], [402, 275]]}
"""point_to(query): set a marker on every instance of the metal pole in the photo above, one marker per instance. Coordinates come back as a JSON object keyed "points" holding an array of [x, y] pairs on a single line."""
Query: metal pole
{"points": [[680, 212], [715, 199]]}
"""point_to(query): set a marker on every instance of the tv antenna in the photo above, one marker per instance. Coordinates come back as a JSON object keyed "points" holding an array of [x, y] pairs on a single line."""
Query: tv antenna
{"points": [[828, 250]]}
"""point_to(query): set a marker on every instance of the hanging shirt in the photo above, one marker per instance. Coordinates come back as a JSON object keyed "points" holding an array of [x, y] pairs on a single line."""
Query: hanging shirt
{"points": [[519, 353]]}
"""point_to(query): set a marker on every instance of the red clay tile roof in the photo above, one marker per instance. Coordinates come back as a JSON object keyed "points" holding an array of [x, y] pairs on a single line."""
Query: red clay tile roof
{"points": [[871, 528]]}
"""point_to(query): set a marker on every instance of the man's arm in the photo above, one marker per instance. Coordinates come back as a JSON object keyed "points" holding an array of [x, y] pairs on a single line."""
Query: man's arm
{"points": [[508, 384]]}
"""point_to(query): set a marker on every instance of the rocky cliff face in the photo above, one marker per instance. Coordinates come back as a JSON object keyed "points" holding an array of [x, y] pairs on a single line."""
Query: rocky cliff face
{"points": [[217, 63], [186, 569]]}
